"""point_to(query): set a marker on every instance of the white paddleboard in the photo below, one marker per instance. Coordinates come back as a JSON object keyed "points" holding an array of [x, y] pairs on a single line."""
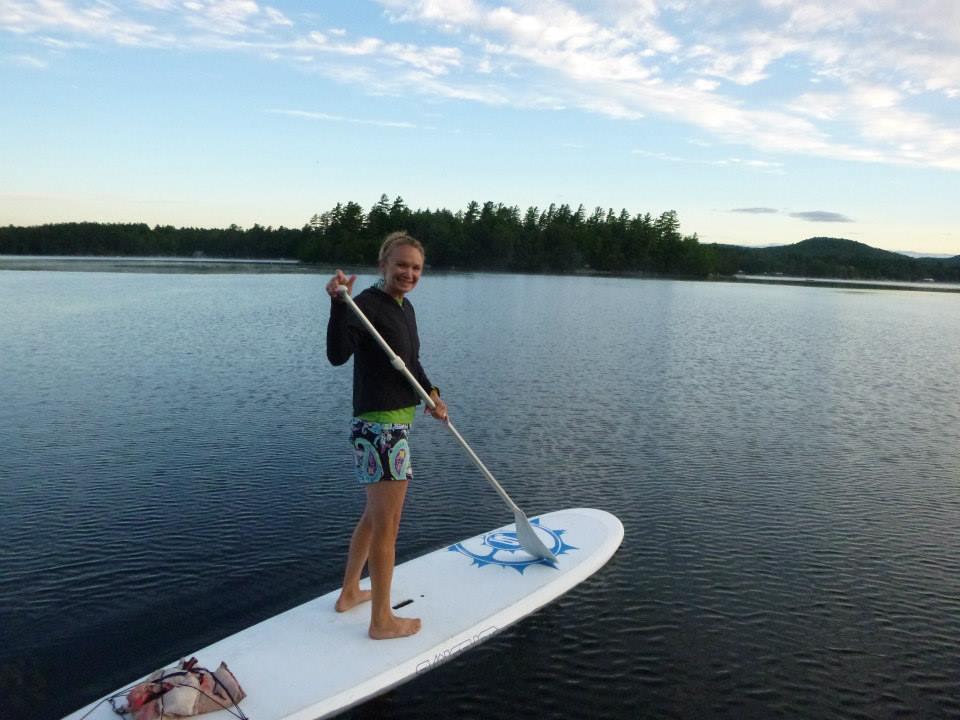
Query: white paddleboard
{"points": [[312, 662]]}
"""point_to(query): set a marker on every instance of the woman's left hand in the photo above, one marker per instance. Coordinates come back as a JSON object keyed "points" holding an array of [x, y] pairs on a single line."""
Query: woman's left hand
{"points": [[440, 407]]}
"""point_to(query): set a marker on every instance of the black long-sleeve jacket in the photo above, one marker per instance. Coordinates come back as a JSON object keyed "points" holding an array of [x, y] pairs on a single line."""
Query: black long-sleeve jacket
{"points": [[377, 385]]}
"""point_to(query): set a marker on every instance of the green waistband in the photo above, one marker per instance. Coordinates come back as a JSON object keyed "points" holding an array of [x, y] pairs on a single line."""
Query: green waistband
{"points": [[402, 416]]}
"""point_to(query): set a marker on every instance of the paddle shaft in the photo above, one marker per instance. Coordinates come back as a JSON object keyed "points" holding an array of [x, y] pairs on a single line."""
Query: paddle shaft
{"points": [[398, 364]]}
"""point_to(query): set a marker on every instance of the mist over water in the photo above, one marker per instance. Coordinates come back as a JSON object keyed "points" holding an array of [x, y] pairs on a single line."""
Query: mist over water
{"points": [[174, 467]]}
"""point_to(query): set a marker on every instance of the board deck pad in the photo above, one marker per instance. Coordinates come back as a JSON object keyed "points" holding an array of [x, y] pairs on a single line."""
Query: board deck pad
{"points": [[311, 662]]}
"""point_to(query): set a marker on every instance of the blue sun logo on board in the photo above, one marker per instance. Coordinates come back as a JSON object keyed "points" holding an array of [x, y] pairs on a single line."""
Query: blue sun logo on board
{"points": [[503, 548]]}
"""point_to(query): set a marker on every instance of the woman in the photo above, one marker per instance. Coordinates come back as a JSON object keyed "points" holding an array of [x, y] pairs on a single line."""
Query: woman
{"points": [[384, 405]]}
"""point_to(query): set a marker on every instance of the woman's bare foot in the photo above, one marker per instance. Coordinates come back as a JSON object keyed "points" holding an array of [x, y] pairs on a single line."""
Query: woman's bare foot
{"points": [[351, 599], [395, 627]]}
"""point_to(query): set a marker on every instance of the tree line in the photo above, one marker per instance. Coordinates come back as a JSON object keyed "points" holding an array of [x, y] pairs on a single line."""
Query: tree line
{"points": [[491, 236], [494, 236], [139, 239]]}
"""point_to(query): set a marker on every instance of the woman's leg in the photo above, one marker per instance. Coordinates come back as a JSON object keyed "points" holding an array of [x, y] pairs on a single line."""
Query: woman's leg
{"points": [[384, 506], [351, 595]]}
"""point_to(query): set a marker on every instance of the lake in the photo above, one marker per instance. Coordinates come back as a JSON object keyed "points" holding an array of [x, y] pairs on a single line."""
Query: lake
{"points": [[174, 467]]}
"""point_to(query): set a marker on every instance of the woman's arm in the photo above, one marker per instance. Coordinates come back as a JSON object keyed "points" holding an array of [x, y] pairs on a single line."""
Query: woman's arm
{"points": [[342, 336]]}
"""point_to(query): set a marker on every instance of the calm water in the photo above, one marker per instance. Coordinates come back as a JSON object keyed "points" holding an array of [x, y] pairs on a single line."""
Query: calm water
{"points": [[786, 462]]}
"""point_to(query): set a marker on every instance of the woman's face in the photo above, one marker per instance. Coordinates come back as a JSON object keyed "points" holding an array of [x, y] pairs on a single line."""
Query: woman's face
{"points": [[401, 270]]}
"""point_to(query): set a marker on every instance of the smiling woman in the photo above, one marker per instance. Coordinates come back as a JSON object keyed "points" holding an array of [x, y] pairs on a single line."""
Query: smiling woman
{"points": [[401, 260], [384, 406]]}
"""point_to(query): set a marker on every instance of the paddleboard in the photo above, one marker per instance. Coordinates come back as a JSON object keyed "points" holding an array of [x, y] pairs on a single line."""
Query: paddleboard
{"points": [[311, 662]]}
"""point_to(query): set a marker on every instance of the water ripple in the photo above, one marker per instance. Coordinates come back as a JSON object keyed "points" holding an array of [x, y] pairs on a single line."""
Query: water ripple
{"points": [[784, 460]]}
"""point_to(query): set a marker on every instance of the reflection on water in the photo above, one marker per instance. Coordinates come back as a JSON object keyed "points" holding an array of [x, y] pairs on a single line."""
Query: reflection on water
{"points": [[174, 467]]}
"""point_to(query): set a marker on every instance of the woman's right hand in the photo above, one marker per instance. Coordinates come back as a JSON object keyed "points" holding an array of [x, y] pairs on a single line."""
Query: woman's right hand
{"points": [[336, 281]]}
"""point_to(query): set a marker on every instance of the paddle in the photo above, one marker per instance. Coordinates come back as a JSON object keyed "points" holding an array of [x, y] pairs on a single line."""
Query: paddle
{"points": [[525, 532]]}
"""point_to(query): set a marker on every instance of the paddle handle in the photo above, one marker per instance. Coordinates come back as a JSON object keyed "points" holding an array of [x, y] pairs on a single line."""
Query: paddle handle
{"points": [[398, 364]]}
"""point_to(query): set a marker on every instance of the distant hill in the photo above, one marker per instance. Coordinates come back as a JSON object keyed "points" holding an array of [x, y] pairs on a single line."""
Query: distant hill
{"points": [[824, 257], [937, 256], [955, 260]]}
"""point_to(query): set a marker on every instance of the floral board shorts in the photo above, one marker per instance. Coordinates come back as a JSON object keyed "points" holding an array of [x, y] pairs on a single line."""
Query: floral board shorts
{"points": [[380, 451]]}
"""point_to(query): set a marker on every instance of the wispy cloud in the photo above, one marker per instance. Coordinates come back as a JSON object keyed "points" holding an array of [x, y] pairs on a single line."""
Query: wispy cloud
{"points": [[28, 61], [339, 118], [276, 17], [867, 80], [597, 61], [821, 216], [761, 165], [808, 215], [227, 17], [667, 157], [95, 20]]}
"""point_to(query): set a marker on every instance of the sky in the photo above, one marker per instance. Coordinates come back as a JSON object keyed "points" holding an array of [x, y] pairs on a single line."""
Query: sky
{"points": [[759, 121]]}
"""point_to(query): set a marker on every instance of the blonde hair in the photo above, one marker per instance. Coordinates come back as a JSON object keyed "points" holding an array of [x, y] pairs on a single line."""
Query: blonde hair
{"points": [[396, 239]]}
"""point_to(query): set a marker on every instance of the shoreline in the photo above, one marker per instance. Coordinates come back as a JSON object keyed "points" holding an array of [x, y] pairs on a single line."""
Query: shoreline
{"points": [[846, 284], [147, 264], [138, 264]]}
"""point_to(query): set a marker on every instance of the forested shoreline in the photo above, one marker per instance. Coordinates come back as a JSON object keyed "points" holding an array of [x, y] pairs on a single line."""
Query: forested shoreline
{"points": [[491, 236]]}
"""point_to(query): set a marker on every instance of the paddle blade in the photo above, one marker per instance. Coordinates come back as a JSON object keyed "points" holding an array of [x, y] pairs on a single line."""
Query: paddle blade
{"points": [[529, 540]]}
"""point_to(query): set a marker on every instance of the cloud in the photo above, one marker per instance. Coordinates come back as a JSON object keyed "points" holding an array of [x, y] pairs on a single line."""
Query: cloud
{"points": [[808, 215], [58, 44], [674, 158], [749, 62], [761, 165], [140, 23], [276, 17], [225, 17], [99, 20], [872, 81], [28, 61], [433, 60], [339, 118], [867, 51], [821, 216], [764, 165]]}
